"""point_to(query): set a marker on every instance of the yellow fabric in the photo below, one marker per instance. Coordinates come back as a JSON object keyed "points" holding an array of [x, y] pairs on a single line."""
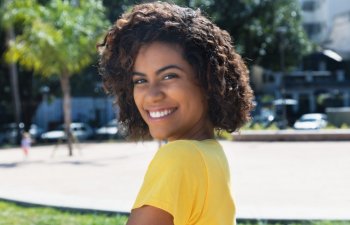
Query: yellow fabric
{"points": [[190, 180]]}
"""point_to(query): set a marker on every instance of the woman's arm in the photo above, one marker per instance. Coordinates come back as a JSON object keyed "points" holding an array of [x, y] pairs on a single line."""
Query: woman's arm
{"points": [[149, 215]]}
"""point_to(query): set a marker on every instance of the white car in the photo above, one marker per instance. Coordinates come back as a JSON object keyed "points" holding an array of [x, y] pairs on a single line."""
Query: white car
{"points": [[81, 131], [113, 129], [311, 121], [35, 131]]}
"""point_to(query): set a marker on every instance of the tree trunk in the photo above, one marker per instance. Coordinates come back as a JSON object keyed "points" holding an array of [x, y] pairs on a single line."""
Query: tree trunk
{"points": [[14, 86], [65, 85]]}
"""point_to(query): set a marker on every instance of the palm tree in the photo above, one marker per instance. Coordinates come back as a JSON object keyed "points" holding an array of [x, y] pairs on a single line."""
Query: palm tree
{"points": [[13, 72], [58, 39]]}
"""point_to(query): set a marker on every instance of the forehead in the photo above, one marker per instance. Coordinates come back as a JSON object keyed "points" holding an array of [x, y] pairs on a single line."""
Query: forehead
{"points": [[159, 54]]}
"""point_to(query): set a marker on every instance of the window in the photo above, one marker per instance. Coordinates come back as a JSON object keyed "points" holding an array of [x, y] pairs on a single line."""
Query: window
{"points": [[309, 6], [312, 28], [268, 78]]}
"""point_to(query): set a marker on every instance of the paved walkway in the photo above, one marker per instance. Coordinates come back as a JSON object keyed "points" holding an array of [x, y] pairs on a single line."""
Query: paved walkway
{"points": [[271, 180]]}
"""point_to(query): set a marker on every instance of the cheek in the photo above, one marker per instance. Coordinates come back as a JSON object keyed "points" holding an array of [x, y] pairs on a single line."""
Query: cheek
{"points": [[201, 106], [137, 98], [196, 101], [201, 102]]}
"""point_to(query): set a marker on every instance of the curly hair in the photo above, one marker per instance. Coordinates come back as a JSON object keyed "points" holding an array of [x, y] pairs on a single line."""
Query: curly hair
{"points": [[220, 71]]}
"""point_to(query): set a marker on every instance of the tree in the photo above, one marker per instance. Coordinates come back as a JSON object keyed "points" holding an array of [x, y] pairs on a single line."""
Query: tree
{"points": [[258, 27], [13, 72], [58, 39]]}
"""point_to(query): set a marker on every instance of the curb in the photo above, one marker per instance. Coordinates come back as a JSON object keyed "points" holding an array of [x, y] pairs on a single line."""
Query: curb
{"points": [[293, 135]]}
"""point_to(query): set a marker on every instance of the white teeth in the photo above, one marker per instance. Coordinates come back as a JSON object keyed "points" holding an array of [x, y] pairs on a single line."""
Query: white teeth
{"points": [[159, 114]]}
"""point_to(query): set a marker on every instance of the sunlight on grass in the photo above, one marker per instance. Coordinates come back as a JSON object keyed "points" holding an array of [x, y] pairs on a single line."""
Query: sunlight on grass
{"points": [[295, 223], [12, 214]]}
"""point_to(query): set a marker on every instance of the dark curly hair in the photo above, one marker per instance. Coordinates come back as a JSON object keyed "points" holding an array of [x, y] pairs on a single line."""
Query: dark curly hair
{"points": [[220, 71]]}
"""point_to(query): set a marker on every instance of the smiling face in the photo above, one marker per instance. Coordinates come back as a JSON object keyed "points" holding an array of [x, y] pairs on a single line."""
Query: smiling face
{"points": [[167, 95]]}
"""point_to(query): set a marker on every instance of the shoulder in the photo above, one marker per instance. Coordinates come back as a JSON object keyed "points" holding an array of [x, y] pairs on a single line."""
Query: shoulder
{"points": [[180, 149], [190, 147], [182, 153]]}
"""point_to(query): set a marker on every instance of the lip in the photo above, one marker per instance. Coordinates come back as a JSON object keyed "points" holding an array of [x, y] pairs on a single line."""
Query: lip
{"points": [[168, 111]]}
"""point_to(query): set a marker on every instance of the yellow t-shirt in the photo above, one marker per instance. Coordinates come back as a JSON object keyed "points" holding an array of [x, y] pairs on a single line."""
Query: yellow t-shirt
{"points": [[191, 181]]}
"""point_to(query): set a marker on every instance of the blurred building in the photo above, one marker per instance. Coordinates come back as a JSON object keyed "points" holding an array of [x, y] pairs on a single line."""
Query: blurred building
{"points": [[321, 81], [339, 37], [315, 17], [94, 111], [318, 17]]}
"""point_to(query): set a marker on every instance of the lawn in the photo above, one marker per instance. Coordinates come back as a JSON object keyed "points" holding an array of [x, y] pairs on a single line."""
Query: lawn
{"points": [[12, 214], [285, 222]]}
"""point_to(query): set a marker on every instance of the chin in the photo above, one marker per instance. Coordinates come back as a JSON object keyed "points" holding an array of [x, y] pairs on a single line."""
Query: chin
{"points": [[159, 135]]}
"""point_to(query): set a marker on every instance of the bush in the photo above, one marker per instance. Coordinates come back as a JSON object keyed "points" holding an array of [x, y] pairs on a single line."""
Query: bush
{"points": [[223, 135]]}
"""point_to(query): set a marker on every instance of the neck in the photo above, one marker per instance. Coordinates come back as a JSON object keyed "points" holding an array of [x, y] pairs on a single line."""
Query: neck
{"points": [[200, 133]]}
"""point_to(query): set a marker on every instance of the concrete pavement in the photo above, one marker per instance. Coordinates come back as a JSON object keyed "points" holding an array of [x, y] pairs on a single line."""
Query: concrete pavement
{"points": [[271, 180]]}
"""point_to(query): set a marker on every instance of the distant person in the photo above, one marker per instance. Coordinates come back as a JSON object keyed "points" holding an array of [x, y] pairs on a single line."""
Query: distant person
{"points": [[177, 77], [26, 142]]}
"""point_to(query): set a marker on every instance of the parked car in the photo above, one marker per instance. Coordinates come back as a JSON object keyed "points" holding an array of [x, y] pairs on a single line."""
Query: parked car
{"points": [[2, 138], [311, 121], [81, 131], [9, 132], [265, 118], [113, 129], [35, 131]]}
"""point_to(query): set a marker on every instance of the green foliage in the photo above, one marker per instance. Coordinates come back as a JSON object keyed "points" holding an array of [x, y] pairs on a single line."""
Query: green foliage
{"points": [[253, 126], [17, 215], [223, 135], [56, 38], [24, 11], [115, 8], [331, 126], [287, 222], [255, 26], [344, 126], [259, 126], [267, 98]]}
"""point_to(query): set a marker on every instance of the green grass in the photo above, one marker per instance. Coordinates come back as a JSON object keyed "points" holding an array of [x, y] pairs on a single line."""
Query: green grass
{"points": [[13, 214], [294, 223]]}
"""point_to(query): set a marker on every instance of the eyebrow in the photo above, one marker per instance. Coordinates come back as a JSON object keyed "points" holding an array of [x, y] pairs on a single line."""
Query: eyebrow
{"points": [[159, 71]]}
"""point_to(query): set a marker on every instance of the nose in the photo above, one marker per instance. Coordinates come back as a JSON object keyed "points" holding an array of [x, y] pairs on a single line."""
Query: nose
{"points": [[155, 93]]}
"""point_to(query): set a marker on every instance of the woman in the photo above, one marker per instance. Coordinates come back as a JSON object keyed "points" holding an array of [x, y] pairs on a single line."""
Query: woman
{"points": [[177, 77]]}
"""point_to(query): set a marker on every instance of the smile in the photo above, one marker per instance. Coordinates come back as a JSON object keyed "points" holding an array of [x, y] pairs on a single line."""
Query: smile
{"points": [[160, 113]]}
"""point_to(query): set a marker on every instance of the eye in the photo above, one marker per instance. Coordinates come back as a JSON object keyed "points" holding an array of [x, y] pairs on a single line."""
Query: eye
{"points": [[170, 76], [139, 81]]}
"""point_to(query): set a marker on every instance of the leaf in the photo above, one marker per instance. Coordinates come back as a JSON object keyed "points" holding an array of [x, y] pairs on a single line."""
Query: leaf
{"points": [[56, 37]]}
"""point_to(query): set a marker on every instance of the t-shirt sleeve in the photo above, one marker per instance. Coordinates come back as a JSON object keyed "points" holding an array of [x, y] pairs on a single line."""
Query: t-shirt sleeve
{"points": [[176, 181]]}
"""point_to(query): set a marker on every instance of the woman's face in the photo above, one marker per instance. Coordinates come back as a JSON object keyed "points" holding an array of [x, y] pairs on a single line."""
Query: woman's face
{"points": [[167, 94]]}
